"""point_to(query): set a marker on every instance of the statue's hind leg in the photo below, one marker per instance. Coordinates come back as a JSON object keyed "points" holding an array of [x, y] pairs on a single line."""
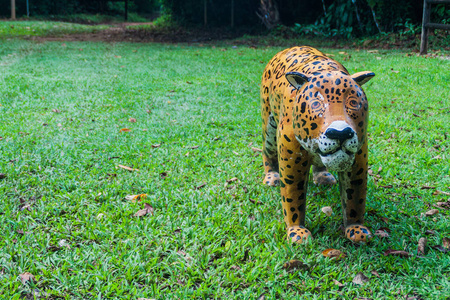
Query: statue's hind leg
{"points": [[270, 152]]}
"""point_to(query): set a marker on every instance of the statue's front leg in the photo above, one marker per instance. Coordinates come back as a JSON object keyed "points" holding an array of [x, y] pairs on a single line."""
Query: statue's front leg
{"points": [[353, 187], [294, 168]]}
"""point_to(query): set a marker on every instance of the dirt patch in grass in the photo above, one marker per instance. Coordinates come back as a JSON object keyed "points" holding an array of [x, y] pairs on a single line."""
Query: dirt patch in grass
{"points": [[143, 32], [146, 33]]}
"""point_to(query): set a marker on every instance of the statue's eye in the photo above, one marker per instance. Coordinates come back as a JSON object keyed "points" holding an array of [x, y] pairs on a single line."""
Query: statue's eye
{"points": [[352, 103], [315, 105]]}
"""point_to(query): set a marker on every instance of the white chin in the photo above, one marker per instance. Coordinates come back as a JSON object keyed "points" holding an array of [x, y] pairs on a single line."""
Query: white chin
{"points": [[338, 161]]}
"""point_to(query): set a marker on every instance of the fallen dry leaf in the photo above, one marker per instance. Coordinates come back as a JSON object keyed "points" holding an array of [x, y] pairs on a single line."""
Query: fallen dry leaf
{"points": [[56, 110], [132, 120], [232, 180], [262, 296], [337, 283], [427, 187], [327, 210], [135, 198], [127, 168], [193, 147], [236, 268], [156, 145], [254, 201], [389, 186], [124, 130], [317, 193], [53, 248], [431, 212], [141, 213], [385, 229], [360, 278], [256, 149], [375, 273], [148, 209], [25, 277], [294, 264], [446, 243], [235, 153], [26, 207], [185, 255], [63, 244], [381, 233], [333, 254], [445, 205], [396, 253], [200, 186], [422, 244], [440, 248], [437, 192]]}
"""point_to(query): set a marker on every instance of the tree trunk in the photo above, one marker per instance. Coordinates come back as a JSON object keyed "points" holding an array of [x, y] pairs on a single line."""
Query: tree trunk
{"points": [[268, 13]]}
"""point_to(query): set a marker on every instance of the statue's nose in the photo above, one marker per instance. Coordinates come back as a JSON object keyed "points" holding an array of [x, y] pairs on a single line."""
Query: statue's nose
{"points": [[340, 135]]}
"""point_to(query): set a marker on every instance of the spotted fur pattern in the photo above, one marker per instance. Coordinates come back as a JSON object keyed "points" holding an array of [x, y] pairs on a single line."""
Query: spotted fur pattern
{"points": [[315, 113]]}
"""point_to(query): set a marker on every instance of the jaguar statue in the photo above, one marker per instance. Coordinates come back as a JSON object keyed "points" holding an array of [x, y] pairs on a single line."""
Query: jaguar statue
{"points": [[315, 114]]}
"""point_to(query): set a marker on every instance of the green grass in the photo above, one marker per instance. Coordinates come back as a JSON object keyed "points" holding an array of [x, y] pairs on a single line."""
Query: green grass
{"points": [[10, 29], [62, 108]]}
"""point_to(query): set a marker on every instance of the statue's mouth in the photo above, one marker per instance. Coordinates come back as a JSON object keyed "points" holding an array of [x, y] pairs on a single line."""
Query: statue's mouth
{"points": [[324, 154], [339, 160]]}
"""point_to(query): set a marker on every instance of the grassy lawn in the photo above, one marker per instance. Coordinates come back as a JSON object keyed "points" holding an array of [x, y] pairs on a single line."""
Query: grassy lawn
{"points": [[65, 217], [44, 28]]}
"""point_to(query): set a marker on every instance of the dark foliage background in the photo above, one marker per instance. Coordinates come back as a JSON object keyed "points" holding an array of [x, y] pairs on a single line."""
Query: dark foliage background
{"points": [[321, 17], [218, 11], [69, 7]]}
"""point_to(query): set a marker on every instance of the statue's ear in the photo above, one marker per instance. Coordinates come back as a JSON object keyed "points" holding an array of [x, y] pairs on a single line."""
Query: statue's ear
{"points": [[363, 77], [296, 79]]}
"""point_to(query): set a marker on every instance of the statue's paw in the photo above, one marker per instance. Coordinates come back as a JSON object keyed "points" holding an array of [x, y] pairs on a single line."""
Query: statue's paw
{"points": [[272, 178], [298, 234], [358, 234], [324, 178]]}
